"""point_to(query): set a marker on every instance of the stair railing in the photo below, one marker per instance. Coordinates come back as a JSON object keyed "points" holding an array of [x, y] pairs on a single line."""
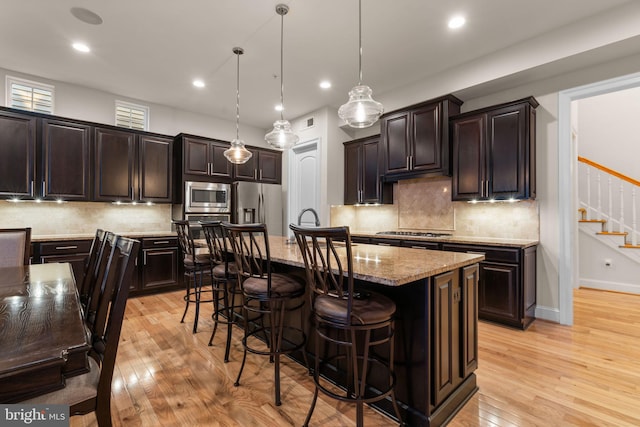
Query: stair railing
{"points": [[615, 217]]}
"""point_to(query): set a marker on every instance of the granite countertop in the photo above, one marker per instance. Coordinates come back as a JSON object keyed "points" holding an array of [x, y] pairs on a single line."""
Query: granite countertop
{"points": [[488, 241], [387, 265], [89, 236]]}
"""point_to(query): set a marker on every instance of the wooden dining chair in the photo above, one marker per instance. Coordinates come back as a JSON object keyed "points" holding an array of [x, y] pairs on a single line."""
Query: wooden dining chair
{"points": [[91, 392], [91, 266], [15, 246], [94, 287]]}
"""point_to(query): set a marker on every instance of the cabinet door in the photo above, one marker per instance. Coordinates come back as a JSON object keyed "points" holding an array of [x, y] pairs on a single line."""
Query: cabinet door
{"points": [[155, 169], [352, 173], [196, 156], [507, 139], [160, 267], [371, 187], [395, 134], [17, 154], [65, 160], [469, 158], [248, 171], [426, 137], [270, 167], [446, 329], [498, 293], [220, 166], [114, 164], [469, 320]]}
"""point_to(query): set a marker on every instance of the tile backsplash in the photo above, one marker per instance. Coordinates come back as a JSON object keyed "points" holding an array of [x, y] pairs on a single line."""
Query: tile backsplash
{"points": [[425, 205], [84, 217]]}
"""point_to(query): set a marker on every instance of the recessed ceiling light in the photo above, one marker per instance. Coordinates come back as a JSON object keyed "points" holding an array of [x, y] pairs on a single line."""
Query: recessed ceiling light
{"points": [[81, 47], [278, 107], [457, 22], [86, 16], [198, 83], [325, 84]]}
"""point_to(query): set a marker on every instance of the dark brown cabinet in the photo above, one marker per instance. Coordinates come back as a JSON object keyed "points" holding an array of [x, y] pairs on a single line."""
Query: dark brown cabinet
{"points": [[114, 164], [494, 152], [132, 166], [263, 166], [75, 252], [362, 174], [415, 140], [204, 158], [66, 160], [17, 154], [158, 264], [507, 287]]}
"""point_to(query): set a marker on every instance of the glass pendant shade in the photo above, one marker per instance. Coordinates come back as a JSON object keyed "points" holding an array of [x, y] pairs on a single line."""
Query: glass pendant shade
{"points": [[237, 153], [361, 110], [281, 136]]}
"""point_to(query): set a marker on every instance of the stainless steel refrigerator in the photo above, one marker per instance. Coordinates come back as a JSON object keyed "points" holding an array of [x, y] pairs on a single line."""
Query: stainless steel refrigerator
{"points": [[262, 203]]}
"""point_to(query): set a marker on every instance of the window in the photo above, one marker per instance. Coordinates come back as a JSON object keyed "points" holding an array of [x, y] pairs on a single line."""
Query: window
{"points": [[132, 116], [29, 95]]}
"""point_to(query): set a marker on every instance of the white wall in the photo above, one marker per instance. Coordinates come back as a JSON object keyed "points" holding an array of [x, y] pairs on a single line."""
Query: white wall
{"points": [[83, 103]]}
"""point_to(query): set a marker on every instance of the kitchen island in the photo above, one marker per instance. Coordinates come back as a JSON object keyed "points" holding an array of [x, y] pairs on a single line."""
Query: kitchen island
{"points": [[436, 322]]}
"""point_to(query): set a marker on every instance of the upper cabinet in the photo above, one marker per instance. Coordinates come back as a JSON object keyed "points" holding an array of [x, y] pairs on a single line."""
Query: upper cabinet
{"points": [[415, 140], [204, 159], [362, 173], [17, 154], [264, 166], [132, 166], [66, 160], [494, 152]]}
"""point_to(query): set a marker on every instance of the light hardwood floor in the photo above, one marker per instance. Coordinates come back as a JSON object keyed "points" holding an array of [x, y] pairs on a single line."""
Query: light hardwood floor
{"points": [[549, 375]]}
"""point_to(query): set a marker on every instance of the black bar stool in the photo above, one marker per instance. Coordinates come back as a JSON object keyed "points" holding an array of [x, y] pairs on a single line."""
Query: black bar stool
{"points": [[345, 317], [267, 295]]}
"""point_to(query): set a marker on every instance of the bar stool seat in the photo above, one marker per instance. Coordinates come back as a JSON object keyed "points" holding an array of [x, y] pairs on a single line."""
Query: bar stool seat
{"points": [[282, 286], [375, 308]]}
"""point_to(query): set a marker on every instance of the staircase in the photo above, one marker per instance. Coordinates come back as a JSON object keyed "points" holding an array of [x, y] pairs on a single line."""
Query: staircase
{"points": [[607, 202]]}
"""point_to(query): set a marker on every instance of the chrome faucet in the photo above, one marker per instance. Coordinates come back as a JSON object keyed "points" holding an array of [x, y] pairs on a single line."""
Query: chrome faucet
{"points": [[315, 214]]}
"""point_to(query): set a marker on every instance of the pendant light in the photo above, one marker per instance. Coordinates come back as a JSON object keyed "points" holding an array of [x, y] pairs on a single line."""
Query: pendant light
{"points": [[237, 153], [361, 110], [281, 137]]}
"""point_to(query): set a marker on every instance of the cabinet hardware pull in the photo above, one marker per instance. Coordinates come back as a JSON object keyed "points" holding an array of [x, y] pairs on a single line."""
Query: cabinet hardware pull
{"points": [[145, 258], [419, 247], [408, 162], [60, 248], [31, 190], [476, 252], [260, 174], [383, 244], [161, 242], [44, 186]]}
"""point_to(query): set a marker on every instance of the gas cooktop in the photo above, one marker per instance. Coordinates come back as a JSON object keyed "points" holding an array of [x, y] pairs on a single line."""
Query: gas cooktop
{"points": [[414, 233]]}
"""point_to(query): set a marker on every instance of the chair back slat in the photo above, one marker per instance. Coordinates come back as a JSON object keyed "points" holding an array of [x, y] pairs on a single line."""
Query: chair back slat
{"points": [[250, 246], [93, 295], [215, 235], [184, 238], [91, 266], [328, 261]]}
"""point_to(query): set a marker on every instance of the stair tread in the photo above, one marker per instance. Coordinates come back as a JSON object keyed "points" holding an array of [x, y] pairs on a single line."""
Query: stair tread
{"points": [[613, 233], [630, 246], [602, 221]]}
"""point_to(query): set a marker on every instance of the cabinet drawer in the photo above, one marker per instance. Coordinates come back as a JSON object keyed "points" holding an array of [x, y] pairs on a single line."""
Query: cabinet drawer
{"points": [[385, 242], [420, 245], [159, 242], [65, 247], [491, 253]]}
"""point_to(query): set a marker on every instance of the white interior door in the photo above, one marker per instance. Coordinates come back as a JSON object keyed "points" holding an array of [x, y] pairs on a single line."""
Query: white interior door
{"points": [[304, 182]]}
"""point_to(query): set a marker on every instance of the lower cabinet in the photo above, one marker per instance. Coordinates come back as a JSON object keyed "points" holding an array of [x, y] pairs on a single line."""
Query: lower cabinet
{"points": [[454, 308], [157, 265], [75, 252]]}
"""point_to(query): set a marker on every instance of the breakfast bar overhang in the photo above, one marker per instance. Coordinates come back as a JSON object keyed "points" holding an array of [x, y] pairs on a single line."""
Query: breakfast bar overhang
{"points": [[436, 295]]}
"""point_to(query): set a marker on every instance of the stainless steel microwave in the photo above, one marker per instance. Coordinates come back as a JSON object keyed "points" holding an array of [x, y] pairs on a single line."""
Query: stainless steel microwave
{"points": [[206, 197]]}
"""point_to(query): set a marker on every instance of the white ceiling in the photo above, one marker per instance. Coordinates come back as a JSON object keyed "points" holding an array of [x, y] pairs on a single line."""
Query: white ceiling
{"points": [[151, 50]]}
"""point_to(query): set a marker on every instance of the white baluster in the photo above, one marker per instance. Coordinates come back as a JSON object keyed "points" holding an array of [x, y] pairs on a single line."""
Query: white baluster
{"points": [[634, 227], [610, 205], [622, 207], [599, 196], [589, 208]]}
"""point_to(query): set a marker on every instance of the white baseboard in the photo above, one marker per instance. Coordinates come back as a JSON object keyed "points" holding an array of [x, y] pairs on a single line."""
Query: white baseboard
{"points": [[629, 288], [548, 313]]}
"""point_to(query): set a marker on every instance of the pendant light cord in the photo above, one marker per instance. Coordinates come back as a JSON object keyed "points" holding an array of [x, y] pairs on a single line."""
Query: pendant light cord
{"points": [[360, 41], [282, 67], [238, 95]]}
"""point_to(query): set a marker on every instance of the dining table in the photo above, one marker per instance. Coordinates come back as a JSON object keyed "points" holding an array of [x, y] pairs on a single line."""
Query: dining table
{"points": [[43, 339]]}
